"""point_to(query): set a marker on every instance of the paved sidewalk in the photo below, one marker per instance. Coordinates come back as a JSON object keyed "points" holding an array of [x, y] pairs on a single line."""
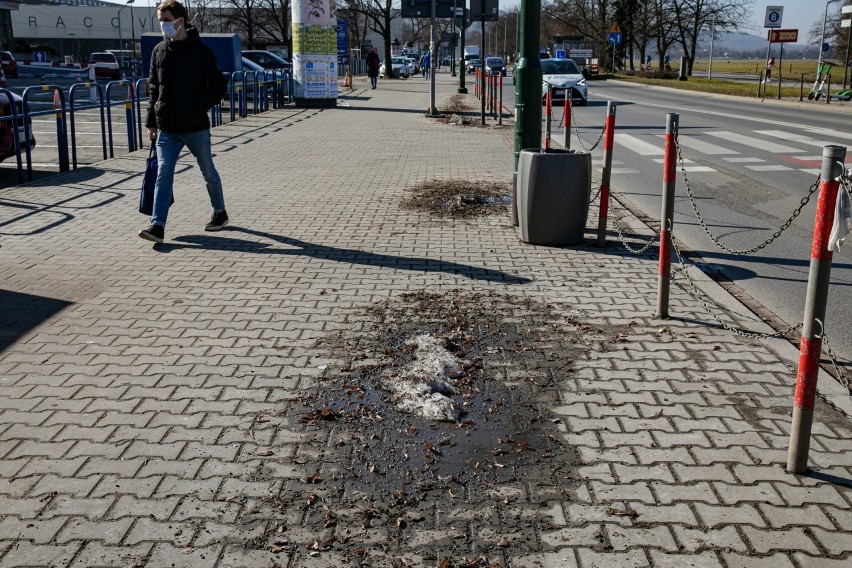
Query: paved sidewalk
{"points": [[159, 406]]}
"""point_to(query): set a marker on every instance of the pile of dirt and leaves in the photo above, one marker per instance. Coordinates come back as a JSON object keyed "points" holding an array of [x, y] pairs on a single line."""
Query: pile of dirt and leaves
{"points": [[455, 111], [460, 198], [396, 484]]}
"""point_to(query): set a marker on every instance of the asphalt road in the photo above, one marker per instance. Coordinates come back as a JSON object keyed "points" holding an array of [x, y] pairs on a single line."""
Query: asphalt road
{"points": [[749, 164]]}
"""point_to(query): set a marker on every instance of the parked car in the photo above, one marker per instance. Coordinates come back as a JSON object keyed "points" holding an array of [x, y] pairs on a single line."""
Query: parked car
{"points": [[7, 140], [473, 65], [398, 65], [563, 75], [249, 65], [495, 65], [267, 59], [10, 66], [106, 65], [413, 65]]}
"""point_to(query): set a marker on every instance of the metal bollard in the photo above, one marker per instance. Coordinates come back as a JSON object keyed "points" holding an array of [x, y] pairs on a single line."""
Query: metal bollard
{"points": [[828, 90], [802, 88], [128, 111], [548, 109], [667, 215], [815, 305], [759, 83], [500, 115], [609, 138], [566, 115]]}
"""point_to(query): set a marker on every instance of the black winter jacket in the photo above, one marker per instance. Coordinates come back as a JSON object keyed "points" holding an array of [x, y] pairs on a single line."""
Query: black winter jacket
{"points": [[184, 82]]}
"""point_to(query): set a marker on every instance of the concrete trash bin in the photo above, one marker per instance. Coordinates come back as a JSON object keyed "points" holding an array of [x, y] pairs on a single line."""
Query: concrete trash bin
{"points": [[553, 191]]}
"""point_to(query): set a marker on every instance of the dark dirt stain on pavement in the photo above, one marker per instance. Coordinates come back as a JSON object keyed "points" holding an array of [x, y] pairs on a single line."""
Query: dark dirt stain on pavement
{"points": [[394, 489], [459, 198]]}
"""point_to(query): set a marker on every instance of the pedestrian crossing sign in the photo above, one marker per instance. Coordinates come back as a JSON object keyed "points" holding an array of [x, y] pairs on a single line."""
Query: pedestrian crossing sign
{"points": [[615, 29]]}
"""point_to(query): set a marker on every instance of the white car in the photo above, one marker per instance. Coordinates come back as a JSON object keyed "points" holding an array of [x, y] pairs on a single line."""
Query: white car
{"points": [[399, 66], [562, 75], [413, 67]]}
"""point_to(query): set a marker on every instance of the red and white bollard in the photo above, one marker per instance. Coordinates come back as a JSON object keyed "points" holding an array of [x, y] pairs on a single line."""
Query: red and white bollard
{"points": [[548, 110], [609, 138], [813, 325], [667, 215], [566, 119]]}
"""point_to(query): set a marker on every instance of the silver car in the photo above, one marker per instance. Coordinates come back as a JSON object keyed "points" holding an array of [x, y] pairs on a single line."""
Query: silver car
{"points": [[563, 75]]}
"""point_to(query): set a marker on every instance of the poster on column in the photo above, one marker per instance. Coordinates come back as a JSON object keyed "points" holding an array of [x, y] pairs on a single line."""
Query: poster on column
{"points": [[315, 12], [315, 50], [315, 76]]}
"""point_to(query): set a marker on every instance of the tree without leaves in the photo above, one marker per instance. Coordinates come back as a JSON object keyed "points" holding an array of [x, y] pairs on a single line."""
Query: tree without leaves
{"points": [[380, 14], [693, 18]]}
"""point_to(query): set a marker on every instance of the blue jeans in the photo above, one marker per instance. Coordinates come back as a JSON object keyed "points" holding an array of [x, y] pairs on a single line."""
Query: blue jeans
{"points": [[169, 147]]}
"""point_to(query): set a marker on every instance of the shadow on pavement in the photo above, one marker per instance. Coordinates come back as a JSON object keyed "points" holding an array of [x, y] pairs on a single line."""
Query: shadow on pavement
{"points": [[22, 312], [827, 477], [352, 256]]}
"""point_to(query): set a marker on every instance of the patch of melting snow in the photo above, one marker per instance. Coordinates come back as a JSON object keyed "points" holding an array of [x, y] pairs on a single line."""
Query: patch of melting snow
{"points": [[425, 386]]}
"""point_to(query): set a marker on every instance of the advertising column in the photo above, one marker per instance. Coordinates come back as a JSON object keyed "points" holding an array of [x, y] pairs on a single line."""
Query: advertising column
{"points": [[314, 53]]}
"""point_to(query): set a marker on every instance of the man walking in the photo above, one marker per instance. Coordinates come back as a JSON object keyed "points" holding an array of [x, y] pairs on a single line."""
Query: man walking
{"points": [[184, 83]]}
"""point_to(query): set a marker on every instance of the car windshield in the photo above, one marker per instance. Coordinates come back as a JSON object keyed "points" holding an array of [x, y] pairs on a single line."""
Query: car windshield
{"points": [[494, 62], [398, 60], [104, 57], [565, 66]]}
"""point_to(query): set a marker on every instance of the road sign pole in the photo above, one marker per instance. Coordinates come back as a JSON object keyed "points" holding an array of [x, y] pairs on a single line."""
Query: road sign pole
{"points": [[432, 63], [482, 65], [846, 63]]}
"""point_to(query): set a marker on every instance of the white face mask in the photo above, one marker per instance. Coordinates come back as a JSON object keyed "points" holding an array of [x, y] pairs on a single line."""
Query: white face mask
{"points": [[170, 29]]}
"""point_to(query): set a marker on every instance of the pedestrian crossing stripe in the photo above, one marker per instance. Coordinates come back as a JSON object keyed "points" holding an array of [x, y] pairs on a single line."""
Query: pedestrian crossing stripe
{"points": [[699, 145], [743, 160], [639, 146], [770, 168], [751, 142], [794, 137]]}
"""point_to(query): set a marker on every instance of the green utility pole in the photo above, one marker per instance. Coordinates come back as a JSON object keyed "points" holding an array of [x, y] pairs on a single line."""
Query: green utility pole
{"points": [[462, 63], [528, 83]]}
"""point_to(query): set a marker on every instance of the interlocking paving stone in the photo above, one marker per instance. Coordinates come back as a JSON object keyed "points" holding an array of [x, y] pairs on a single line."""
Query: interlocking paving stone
{"points": [[777, 560], [154, 420]]}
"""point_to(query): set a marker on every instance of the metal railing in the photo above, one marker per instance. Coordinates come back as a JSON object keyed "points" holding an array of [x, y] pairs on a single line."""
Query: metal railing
{"points": [[268, 89]]}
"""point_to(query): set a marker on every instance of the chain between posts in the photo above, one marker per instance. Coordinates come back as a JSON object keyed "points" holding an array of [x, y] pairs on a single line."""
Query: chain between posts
{"points": [[695, 293], [833, 358], [704, 226], [624, 242], [577, 132]]}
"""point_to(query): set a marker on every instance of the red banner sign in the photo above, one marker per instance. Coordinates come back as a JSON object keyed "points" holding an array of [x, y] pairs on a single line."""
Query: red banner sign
{"points": [[783, 36]]}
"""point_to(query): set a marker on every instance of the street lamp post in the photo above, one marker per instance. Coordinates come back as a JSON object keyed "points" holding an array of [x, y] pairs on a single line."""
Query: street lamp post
{"points": [[120, 46], [133, 40], [712, 36], [824, 23]]}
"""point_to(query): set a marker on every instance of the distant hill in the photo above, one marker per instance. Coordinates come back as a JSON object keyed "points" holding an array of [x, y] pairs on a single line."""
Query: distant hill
{"points": [[740, 45]]}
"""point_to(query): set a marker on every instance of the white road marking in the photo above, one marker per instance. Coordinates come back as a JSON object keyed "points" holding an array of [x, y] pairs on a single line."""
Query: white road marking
{"points": [[742, 160], [770, 168], [794, 137], [755, 143], [701, 146], [639, 146]]}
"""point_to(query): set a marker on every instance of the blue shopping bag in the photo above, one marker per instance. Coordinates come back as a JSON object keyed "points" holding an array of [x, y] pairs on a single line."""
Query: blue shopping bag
{"points": [[149, 181]]}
